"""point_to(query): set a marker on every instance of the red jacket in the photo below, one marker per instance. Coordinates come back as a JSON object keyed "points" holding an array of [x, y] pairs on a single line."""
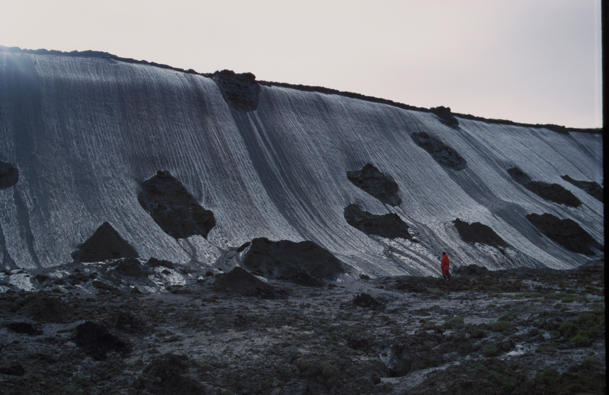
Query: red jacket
{"points": [[445, 263]]}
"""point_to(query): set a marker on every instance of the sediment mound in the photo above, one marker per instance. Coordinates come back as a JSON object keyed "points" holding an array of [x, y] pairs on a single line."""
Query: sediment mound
{"points": [[241, 91], [550, 192], [592, 188], [479, 233], [9, 175], [303, 263], [239, 281], [443, 154], [371, 180], [388, 225], [105, 244], [173, 208], [565, 232]]}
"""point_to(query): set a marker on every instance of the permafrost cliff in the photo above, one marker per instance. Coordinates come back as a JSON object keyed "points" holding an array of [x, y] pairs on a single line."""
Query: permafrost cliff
{"points": [[191, 168]]}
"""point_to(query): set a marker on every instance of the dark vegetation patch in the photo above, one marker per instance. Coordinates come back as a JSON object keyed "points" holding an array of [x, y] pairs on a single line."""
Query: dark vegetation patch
{"points": [[550, 192], [9, 175], [388, 225], [443, 154], [239, 90], [105, 244], [173, 208], [24, 327], [445, 116], [479, 233], [239, 281], [592, 188], [304, 263], [565, 232], [95, 340], [372, 181]]}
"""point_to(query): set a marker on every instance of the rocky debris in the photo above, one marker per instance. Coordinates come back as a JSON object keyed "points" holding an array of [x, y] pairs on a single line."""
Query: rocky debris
{"points": [[565, 232], [105, 244], [479, 233], [515, 331], [97, 342], [9, 175], [239, 281], [173, 208], [41, 307], [388, 225], [129, 267], [551, 192], [367, 301], [592, 188], [24, 327], [153, 262], [443, 154], [304, 263], [445, 116], [372, 181], [241, 91]]}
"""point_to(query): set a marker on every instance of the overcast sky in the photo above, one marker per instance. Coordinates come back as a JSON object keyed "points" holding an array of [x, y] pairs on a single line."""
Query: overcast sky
{"points": [[533, 61]]}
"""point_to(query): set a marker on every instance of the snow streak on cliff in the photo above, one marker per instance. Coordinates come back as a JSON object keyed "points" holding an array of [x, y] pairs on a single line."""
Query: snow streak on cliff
{"points": [[80, 137]]}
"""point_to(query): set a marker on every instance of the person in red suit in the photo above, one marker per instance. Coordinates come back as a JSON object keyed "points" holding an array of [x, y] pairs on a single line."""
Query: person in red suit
{"points": [[445, 267]]}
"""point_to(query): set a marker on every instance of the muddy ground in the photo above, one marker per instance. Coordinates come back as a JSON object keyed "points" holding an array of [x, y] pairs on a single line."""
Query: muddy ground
{"points": [[118, 328]]}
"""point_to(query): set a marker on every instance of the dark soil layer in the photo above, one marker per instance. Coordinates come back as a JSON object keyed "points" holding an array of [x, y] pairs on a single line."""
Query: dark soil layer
{"points": [[241, 91], [550, 192], [565, 232], [388, 225], [303, 263], [372, 181], [445, 116], [479, 233], [521, 331], [9, 175], [173, 208], [443, 154], [105, 244], [592, 188]]}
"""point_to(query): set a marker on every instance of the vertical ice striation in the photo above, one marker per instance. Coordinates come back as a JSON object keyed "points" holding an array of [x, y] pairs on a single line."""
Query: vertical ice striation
{"points": [[84, 134]]}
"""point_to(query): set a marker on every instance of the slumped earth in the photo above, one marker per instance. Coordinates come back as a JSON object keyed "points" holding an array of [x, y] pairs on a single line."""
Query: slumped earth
{"points": [[104, 329]]}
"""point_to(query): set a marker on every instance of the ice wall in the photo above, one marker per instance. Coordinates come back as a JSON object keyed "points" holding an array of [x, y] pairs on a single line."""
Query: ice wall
{"points": [[84, 133]]}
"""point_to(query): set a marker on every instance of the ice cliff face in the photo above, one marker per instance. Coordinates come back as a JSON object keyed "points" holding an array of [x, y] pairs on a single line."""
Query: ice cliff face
{"points": [[81, 138]]}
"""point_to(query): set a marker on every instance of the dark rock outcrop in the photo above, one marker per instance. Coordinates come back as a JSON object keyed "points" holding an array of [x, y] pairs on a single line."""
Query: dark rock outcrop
{"points": [[129, 267], [372, 181], [388, 225], [303, 263], [550, 192], [166, 375], [445, 116], [173, 208], [9, 175], [565, 232], [95, 340], [44, 308], [443, 154], [479, 233], [366, 300], [24, 327], [105, 244], [241, 91], [239, 281], [592, 188]]}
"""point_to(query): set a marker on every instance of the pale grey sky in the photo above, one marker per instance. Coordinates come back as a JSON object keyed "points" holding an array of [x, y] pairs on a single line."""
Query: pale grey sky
{"points": [[533, 61]]}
